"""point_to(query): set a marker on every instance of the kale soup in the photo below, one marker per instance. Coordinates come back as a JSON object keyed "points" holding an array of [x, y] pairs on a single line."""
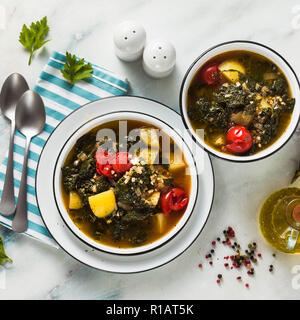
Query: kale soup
{"points": [[241, 100], [125, 186]]}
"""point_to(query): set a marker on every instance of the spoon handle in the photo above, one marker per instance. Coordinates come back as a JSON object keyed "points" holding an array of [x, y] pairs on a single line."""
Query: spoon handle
{"points": [[20, 222], [7, 204]]}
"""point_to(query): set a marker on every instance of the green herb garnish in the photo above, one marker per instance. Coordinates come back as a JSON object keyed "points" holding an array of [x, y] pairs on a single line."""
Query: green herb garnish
{"points": [[76, 69], [32, 38], [3, 256]]}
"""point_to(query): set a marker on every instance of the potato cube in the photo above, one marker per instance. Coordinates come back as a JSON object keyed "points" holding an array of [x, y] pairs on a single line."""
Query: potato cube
{"points": [[154, 198], [149, 156], [229, 69], [75, 202], [150, 137], [242, 118], [103, 204], [176, 162]]}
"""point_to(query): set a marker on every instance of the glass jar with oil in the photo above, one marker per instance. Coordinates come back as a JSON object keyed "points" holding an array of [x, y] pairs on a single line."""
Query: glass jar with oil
{"points": [[279, 219]]}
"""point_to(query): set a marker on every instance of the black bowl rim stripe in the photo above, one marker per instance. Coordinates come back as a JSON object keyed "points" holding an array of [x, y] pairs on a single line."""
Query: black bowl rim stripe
{"points": [[103, 250], [108, 271], [181, 94]]}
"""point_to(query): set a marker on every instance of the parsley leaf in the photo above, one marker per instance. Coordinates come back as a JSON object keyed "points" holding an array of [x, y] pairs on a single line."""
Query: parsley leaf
{"points": [[32, 38], [3, 256], [76, 69]]}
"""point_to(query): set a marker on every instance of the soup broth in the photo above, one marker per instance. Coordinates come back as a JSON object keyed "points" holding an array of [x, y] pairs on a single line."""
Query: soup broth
{"points": [[122, 204]]}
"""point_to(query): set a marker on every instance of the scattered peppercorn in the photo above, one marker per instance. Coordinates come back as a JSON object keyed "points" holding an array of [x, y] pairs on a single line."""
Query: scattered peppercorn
{"points": [[239, 259]]}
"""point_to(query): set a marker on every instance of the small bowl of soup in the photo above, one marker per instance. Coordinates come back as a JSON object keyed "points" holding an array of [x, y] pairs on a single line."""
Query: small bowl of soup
{"points": [[240, 101], [125, 183]]}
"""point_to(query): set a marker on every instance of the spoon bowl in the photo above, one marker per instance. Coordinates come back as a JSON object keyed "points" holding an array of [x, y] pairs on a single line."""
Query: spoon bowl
{"points": [[13, 88], [30, 114]]}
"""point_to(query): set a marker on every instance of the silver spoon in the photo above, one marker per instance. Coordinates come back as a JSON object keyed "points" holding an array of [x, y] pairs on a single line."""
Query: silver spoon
{"points": [[30, 121], [14, 86]]}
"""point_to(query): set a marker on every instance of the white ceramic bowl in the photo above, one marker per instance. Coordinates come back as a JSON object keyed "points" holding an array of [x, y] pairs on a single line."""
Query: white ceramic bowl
{"points": [[124, 116], [264, 51]]}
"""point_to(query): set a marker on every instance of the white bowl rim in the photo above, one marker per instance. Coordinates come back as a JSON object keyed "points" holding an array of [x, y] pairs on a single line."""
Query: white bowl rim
{"points": [[275, 146], [85, 127]]}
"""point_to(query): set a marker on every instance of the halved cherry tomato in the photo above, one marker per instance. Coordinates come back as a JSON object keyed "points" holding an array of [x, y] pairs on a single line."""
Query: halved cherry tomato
{"points": [[122, 162], [210, 74], [104, 162], [239, 140], [174, 200]]}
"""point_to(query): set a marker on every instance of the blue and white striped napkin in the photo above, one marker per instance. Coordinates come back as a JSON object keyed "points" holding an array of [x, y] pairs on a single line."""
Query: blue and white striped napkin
{"points": [[60, 100]]}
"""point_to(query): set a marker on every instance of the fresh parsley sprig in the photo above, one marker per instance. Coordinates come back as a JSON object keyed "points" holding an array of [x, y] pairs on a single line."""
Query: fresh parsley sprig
{"points": [[76, 69], [32, 38], [3, 256]]}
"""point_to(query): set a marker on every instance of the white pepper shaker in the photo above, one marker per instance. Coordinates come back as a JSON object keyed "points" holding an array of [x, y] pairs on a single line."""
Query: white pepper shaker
{"points": [[129, 40], [159, 58]]}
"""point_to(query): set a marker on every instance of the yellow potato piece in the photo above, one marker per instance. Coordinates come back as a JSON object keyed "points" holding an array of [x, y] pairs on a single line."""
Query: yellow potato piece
{"points": [[74, 201], [150, 137], [160, 222], [232, 76], [176, 166], [103, 204], [149, 156], [264, 104], [154, 198], [176, 162]]}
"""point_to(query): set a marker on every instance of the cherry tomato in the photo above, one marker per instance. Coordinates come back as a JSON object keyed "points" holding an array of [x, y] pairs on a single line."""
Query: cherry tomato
{"points": [[104, 162], [239, 139], [122, 162], [174, 200], [210, 74]]}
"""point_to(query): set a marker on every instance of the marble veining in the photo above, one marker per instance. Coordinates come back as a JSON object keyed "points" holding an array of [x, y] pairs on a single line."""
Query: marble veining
{"points": [[192, 26]]}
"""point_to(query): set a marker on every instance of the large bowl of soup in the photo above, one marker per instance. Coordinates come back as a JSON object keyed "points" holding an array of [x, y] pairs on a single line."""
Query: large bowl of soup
{"points": [[240, 101], [125, 183]]}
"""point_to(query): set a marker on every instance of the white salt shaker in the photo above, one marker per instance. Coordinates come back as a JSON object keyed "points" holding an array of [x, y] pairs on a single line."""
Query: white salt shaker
{"points": [[159, 58], [129, 40]]}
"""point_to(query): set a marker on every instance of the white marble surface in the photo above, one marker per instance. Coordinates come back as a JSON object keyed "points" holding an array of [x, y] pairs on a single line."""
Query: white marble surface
{"points": [[42, 272]]}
